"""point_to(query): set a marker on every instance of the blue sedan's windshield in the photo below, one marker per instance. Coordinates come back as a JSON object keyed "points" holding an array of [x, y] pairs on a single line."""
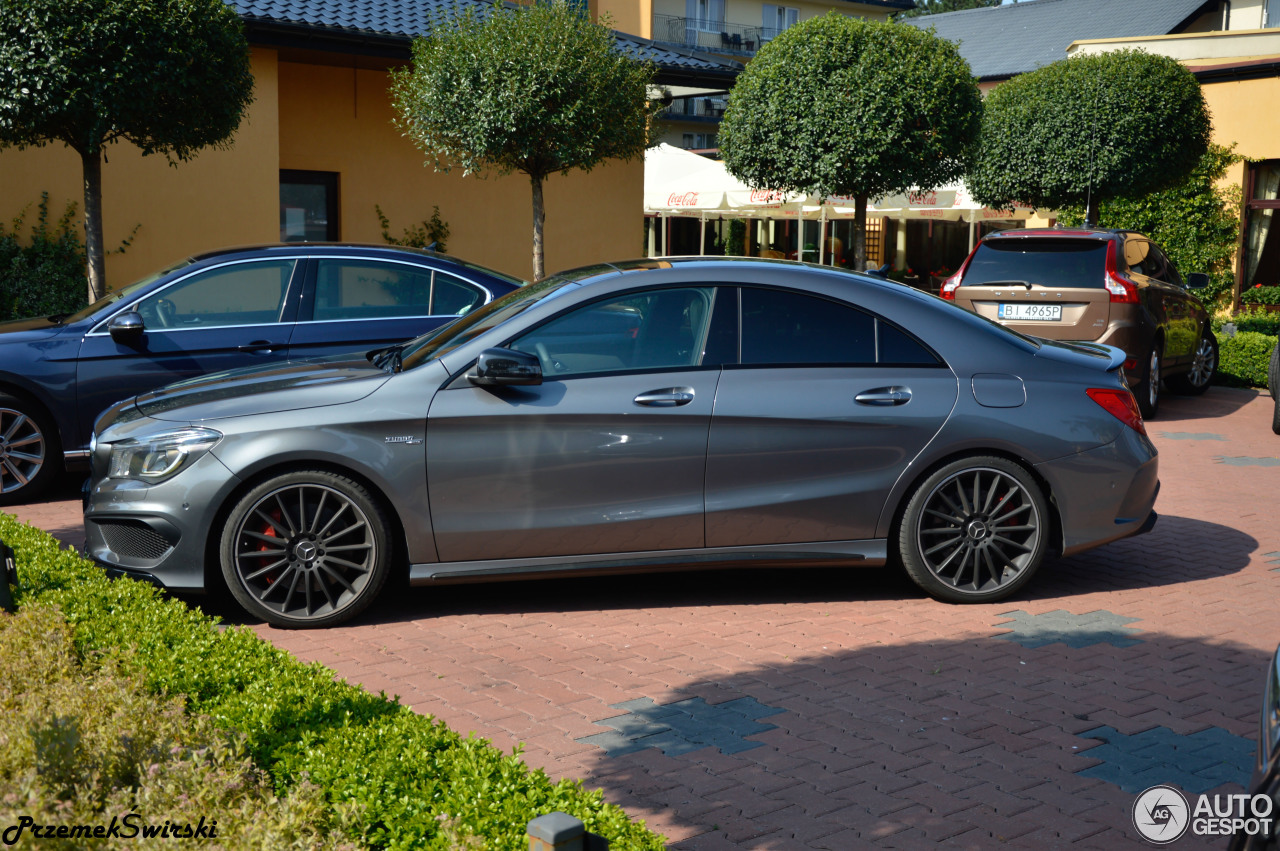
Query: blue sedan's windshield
{"points": [[446, 338], [124, 292]]}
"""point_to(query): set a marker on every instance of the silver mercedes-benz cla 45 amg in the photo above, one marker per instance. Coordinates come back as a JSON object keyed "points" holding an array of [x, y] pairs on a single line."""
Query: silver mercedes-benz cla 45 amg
{"points": [[640, 416]]}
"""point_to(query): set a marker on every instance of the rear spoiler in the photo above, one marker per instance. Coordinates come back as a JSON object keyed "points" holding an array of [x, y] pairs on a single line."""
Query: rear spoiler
{"points": [[1114, 357]]}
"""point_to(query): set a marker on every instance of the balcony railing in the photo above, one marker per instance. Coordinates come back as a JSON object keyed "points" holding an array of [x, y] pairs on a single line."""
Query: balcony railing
{"points": [[709, 36], [695, 108]]}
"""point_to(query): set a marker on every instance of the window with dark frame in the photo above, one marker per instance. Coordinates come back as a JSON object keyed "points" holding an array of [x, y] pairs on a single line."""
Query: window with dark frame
{"points": [[308, 206], [1260, 248]]}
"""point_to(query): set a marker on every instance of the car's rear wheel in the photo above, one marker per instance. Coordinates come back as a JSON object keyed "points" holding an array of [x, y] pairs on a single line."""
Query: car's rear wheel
{"points": [[974, 531], [306, 549], [1204, 366], [1147, 393], [28, 450]]}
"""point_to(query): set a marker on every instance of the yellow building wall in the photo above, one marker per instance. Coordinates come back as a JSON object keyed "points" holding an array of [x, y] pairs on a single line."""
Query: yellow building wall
{"points": [[629, 16], [340, 120], [222, 197], [1238, 120]]}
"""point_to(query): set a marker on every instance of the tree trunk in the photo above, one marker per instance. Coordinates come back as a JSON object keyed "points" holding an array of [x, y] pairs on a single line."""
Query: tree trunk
{"points": [[539, 216], [860, 233], [92, 165], [1091, 211]]}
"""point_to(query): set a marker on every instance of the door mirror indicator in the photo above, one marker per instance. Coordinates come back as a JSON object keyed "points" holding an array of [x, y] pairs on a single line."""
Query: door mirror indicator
{"points": [[506, 367]]}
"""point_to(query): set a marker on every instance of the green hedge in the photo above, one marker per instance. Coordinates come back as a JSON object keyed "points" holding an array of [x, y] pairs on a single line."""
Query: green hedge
{"points": [[412, 782], [1260, 321], [44, 274], [1243, 358]]}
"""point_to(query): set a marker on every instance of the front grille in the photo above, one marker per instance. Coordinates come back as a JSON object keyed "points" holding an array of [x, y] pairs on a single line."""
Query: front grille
{"points": [[134, 539]]}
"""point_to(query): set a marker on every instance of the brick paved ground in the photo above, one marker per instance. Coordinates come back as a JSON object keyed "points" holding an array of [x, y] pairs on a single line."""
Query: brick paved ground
{"points": [[840, 709]]}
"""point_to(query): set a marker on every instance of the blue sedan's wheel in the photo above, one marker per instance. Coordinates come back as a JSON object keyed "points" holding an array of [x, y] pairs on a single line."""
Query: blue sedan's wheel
{"points": [[974, 531], [306, 549], [28, 450]]}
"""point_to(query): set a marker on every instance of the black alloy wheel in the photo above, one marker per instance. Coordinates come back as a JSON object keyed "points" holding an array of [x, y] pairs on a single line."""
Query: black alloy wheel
{"points": [[306, 549], [974, 531]]}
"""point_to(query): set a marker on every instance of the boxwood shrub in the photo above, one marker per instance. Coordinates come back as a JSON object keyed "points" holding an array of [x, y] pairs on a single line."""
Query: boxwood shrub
{"points": [[410, 781], [1243, 358]]}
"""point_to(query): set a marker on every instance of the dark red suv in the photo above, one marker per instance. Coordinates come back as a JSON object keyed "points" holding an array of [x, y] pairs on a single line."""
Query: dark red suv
{"points": [[1103, 286]]}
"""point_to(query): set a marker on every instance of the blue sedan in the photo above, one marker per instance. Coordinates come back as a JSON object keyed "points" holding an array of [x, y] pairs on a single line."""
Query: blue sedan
{"points": [[213, 312]]}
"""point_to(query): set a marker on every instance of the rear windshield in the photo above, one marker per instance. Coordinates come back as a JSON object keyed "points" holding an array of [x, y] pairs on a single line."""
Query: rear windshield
{"points": [[1078, 263]]}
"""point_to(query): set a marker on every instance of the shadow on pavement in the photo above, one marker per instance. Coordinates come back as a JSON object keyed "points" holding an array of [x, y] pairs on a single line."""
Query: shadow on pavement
{"points": [[972, 744], [1216, 402]]}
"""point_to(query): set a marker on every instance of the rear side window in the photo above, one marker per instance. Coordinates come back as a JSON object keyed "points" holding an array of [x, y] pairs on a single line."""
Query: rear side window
{"points": [[1073, 263], [780, 327]]}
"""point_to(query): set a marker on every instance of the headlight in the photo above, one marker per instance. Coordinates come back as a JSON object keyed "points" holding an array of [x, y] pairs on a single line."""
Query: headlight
{"points": [[1269, 738], [160, 456]]}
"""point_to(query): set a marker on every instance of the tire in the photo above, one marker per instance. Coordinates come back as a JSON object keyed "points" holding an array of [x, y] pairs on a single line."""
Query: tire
{"points": [[974, 531], [30, 452], [1147, 393], [1273, 384], [1204, 366], [333, 559]]}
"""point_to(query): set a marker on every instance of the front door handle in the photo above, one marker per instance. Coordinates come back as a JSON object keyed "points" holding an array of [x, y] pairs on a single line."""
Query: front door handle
{"points": [[884, 396], [264, 346], [669, 397]]}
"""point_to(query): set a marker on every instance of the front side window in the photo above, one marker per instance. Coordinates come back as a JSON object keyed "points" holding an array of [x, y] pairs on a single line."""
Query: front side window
{"points": [[655, 330], [237, 294]]}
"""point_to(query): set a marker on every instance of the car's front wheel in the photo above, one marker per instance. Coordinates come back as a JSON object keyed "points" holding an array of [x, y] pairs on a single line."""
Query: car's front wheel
{"points": [[28, 450], [1204, 365], [974, 531], [306, 549]]}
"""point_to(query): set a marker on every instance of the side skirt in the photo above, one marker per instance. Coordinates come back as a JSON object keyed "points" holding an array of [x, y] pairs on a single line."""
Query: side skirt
{"points": [[869, 553]]}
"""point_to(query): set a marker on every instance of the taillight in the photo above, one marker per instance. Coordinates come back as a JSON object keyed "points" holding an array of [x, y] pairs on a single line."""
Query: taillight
{"points": [[1121, 405], [1122, 290], [949, 287]]}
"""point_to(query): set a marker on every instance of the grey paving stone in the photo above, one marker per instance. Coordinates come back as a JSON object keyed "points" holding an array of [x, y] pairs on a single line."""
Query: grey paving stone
{"points": [[1242, 461], [1100, 627], [684, 726], [1196, 762], [1192, 435]]}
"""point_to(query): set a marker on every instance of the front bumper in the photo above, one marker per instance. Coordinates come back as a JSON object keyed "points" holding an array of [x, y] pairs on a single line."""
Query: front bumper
{"points": [[161, 533]]}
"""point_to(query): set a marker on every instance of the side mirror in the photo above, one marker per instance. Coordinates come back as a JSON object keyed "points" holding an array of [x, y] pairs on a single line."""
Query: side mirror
{"points": [[1197, 280], [127, 327], [506, 367]]}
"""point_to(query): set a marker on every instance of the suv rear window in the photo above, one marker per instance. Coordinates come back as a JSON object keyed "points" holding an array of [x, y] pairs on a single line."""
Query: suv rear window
{"points": [[1076, 263]]}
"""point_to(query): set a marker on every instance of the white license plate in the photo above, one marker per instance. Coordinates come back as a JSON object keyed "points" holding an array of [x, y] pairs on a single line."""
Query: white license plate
{"points": [[1032, 312]]}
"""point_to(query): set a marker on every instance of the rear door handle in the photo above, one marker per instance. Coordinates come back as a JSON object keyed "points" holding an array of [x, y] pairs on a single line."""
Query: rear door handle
{"points": [[669, 397], [265, 346], [884, 396]]}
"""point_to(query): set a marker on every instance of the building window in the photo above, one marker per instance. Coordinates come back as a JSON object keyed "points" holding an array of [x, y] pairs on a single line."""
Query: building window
{"points": [[706, 15], [698, 141], [1271, 14], [308, 206], [1261, 251], [776, 19]]}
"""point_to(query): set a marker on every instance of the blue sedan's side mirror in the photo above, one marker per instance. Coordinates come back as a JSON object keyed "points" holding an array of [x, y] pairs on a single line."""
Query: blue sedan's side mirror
{"points": [[127, 327]]}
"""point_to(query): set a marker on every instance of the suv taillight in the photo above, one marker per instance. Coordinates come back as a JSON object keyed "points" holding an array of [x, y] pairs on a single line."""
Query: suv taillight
{"points": [[1121, 405], [949, 287], [1122, 290]]}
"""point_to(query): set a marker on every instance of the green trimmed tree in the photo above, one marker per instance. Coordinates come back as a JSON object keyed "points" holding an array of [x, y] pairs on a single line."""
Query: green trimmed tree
{"points": [[536, 89], [936, 7], [170, 76], [843, 106], [1091, 128]]}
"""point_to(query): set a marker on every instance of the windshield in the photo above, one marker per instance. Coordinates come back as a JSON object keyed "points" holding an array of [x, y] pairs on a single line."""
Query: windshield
{"points": [[446, 338], [124, 292]]}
